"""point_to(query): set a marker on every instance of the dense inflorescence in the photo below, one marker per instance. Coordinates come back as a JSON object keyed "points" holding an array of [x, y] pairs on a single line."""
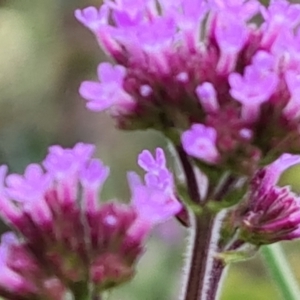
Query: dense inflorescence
{"points": [[65, 238], [223, 74]]}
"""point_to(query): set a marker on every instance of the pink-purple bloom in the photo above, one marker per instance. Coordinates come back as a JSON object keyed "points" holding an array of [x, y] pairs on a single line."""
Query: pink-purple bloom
{"points": [[109, 92], [207, 60], [66, 233], [256, 87], [159, 186], [200, 142]]}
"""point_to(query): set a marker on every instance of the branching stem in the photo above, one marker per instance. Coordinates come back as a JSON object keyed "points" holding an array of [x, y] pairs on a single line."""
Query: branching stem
{"points": [[204, 270]]}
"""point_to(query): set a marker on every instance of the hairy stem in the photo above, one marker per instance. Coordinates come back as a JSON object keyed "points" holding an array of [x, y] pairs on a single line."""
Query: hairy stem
{"points": [[281, 272], [205, 271], [215, 279]]}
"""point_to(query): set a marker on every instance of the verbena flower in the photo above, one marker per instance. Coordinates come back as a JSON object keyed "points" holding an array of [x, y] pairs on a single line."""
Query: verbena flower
{"points": [[202, 62], [65, 236], [159, 181], [200, 142], [270, 213]]}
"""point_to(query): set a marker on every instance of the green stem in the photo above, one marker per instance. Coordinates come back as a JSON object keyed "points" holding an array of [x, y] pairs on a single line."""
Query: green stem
{"points": [[80, 291], [280, 271]]}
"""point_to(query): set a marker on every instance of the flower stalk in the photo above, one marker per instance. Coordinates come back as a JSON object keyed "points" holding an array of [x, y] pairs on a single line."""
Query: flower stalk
{"points": [[81, 291], [279, 268], [205, 270]]}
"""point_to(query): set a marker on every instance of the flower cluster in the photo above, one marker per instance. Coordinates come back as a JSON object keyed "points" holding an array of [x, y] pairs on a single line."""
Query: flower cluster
{"points": [[211, 70], [270, 213], [65, 238]]}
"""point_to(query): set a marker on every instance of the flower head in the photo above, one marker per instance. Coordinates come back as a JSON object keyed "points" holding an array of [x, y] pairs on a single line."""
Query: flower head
{"points": [[188, 62], [66, 232]]}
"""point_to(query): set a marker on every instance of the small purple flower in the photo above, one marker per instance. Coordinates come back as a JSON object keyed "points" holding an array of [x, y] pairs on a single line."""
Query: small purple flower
{"points": [[62, 163], [231, 35], [92, 17], [92, 178], [286, 49], [242, 9], [150, 163], [152, 205], [256, 87], [128, 12], [155, 200], [32, 185], [200, 142], [109, 92], [279, 16]]}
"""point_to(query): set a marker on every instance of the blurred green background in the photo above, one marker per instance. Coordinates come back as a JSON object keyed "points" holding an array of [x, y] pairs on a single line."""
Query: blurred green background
{"points": [[44, 55]]}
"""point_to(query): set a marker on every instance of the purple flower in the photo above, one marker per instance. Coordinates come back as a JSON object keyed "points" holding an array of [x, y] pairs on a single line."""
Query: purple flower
{"points": [[67, 233], [155, 201], [256, 87], [152, 205], [231, 35], [109, 92], [286, 49], [129, 12], [200, 142], [244, 10], [92, 179], [278, 16], [158, 175], [270, 213], [211, 63], [92, 17]]}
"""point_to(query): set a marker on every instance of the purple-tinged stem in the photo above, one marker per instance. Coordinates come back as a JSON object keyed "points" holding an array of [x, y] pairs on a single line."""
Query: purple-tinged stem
{"points": [[190, 177], [205, 271], [216, 276]]}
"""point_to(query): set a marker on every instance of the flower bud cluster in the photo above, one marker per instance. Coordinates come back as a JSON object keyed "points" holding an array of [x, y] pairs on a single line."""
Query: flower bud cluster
{"points": [[270, 213]]}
